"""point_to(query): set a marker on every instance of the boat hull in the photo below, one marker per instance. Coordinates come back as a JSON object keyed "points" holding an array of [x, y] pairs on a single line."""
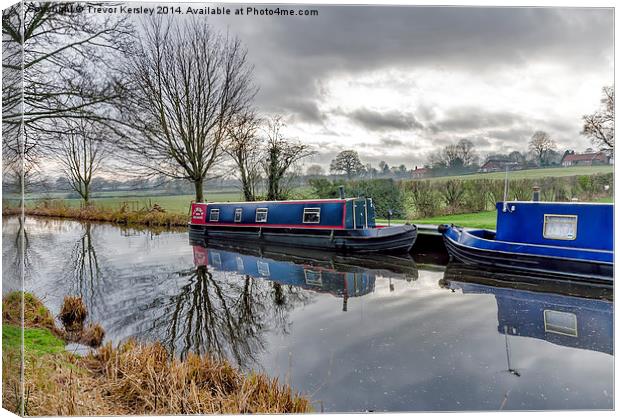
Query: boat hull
{"points": [[395, 239], [466, 247]]}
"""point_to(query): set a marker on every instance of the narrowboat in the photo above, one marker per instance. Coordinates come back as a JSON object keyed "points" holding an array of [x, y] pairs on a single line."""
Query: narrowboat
{"points": [[569, 240], [344, 224]]}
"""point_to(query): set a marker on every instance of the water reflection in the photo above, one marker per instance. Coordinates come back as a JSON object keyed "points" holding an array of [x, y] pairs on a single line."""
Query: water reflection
{"points": [[83, 269], [580, 318], [317, 271], [356, 333], [224, 315]]}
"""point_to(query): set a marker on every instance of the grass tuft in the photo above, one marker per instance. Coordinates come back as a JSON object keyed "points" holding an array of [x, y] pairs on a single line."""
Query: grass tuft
{"points": [[73, 313]]}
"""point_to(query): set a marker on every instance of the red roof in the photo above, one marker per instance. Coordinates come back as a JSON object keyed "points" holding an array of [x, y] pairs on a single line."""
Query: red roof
{"points": [[585, 157]]}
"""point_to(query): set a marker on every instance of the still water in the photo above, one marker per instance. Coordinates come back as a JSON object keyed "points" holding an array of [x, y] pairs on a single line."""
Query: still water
{"points": [[355, 334]]}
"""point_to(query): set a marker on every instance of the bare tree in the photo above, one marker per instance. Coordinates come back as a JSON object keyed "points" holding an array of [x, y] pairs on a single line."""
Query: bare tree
{"points": [[455, 156], [599, 126], [188, 83], [466, 152], [348, 162], [540, 145], [68, 72], [244, 146], [282, 154], [80, 152]]}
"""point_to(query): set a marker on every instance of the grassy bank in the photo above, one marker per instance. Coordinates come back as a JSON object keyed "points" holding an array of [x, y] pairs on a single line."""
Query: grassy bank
{"points": [[131, 379], [485, 219]]}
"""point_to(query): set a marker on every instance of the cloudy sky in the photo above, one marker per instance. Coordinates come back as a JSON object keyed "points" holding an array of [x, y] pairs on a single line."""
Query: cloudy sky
{"points": [[398, 82]]}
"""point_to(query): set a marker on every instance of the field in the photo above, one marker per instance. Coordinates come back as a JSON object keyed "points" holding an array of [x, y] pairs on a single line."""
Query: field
{"points": [[179, 204], [536, 173], [136, 201], [486, 219]]}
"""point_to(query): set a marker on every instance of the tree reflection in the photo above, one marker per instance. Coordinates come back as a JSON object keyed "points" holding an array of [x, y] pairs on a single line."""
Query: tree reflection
{"points": [[86, 278], [17, 258], [226, 315]]}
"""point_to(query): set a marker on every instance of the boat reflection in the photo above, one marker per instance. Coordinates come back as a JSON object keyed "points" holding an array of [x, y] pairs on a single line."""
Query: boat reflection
{"points": [[341, 276], [572, 316]]}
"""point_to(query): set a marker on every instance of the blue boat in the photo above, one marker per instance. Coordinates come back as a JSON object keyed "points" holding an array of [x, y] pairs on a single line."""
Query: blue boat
{"points": [[345, 224], [561, 240]]}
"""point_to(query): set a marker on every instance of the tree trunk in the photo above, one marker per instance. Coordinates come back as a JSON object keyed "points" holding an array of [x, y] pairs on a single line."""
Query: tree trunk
{"points": [[246, 187], [199, 194], [247, 193]]}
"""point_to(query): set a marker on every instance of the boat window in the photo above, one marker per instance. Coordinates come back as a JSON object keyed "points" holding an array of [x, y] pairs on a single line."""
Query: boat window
{"points": [[214, 215], [263, 268], [240, 266], [562, 227], [216, 260], [238, 213], [313, 277], [312, 215], [261, 215], [557, 322]]}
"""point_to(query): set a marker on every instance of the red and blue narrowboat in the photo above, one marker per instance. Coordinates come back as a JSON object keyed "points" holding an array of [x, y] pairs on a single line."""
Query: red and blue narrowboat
{"points": [[344, 224], [563, 240]]}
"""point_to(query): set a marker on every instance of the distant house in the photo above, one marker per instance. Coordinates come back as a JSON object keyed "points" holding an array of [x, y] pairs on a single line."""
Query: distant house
{"points": [[496, 165], [590, 158], [421, 172]]}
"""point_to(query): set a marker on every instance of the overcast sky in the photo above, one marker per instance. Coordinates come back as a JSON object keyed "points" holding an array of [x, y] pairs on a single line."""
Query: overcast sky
{"points": [[396, 83]]}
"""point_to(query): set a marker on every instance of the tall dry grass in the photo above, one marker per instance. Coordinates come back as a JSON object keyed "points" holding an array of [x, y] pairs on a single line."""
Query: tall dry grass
{"points": [[151, 217], [142, 379], [131, 379]]}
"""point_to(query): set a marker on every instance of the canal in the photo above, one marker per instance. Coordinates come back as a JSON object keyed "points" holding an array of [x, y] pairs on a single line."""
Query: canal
{"points": [[352, 333]]}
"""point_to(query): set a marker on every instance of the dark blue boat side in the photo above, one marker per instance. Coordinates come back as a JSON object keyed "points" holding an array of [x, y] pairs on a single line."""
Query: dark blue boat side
{"points": [[346, 225], [571, 240]]}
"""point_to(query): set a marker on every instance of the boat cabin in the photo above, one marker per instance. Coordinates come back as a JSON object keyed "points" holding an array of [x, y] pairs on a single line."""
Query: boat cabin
{"points": [[348, 213], [567, 224]]}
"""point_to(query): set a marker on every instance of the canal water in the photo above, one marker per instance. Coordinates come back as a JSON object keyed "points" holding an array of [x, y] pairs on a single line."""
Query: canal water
{"points": [[353, 333]]}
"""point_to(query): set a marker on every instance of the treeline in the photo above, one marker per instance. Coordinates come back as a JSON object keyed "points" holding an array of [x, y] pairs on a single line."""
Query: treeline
{"points": [[413, 199]]}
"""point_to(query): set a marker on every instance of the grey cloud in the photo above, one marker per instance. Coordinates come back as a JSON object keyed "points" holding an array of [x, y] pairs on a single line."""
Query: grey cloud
{"points": [[469, 118], [381, 121], [295, 57], [292, 56], [392, 142]]}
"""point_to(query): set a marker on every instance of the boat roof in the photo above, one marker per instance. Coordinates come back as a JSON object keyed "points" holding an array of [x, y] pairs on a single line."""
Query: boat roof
{"points": [[333, 200], [558, 203]]}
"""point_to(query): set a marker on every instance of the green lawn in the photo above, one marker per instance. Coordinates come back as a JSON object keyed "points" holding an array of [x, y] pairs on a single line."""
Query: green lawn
{"points": [[486, 219], [535, 173], [36, 341]]}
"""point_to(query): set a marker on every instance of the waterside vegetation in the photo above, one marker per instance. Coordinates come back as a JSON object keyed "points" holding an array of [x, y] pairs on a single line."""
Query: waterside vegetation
{"points": [[130, 379], [466, 201]]}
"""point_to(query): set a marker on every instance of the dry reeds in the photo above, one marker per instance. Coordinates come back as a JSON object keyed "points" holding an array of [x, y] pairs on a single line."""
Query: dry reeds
{"points": [[144, 379], [92, 335], [133, 378], [73, 313], [154, 216]]}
